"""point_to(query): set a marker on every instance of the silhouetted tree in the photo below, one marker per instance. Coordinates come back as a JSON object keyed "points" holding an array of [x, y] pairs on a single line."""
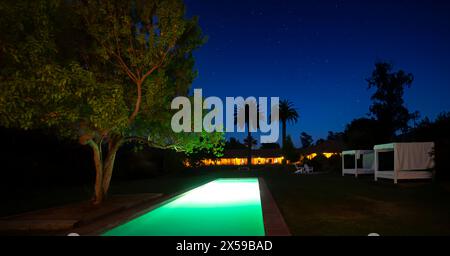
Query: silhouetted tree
{"points": [[234, 143], [247, 122], [320, 141], [306, 140], [250, 141], [415, 117], [270, 146], [334, 135], [287, 114], [289, 150], [363, 133], [387, 101]]}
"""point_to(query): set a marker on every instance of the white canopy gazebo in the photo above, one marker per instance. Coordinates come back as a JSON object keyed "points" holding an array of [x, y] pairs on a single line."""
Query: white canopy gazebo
{"points": [[365, 166], [410, 161]]}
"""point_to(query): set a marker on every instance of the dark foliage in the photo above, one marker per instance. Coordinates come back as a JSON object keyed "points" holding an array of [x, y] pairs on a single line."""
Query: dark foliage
{"points": [[270, 146], [387, 101], [289, 151], [323, 164], [364, 133], [38, 158], [234, 143], [306, 140]]}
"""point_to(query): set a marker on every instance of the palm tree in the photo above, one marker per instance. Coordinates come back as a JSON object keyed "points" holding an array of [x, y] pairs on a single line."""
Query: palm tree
{"points": [[287, 114], [249, 141]]}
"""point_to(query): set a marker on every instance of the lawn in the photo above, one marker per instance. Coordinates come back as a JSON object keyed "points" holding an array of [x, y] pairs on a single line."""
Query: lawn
{"points": [[322, 204], [335, 205]]}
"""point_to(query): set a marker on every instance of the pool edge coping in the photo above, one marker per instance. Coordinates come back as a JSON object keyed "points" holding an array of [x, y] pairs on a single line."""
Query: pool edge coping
{"points": [[274, 223]]}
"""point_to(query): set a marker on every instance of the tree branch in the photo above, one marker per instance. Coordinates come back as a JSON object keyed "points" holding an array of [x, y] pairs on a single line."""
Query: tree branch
{"points": [[163, 58], [139, 86], [138, 102], [149, 143], [125, 67]]}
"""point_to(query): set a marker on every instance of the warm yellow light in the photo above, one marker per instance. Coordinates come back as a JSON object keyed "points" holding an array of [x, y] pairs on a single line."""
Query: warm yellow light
{"points": [[259, 160], [328, 155], [242, 161], [311, 156]]}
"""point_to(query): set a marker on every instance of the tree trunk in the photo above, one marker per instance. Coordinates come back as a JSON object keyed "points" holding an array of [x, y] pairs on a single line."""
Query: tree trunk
{"points": [[103, 168], [283, 138], [109, 164], [97, 156], [249, 148]]}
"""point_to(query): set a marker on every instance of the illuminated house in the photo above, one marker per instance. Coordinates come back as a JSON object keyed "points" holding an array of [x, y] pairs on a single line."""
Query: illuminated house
{"points": [[274, 156], [239, 157], [311, 156], [326, 148]]}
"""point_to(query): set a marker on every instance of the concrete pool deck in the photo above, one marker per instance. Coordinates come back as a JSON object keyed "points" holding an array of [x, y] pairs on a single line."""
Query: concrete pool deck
{"points": [[57, 220]]}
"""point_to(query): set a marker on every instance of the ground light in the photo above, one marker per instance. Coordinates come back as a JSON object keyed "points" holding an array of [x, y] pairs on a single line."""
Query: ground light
{"points": [[219, 208]]}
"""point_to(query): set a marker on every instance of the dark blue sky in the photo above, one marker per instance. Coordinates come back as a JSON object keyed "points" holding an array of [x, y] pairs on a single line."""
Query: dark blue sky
{"points": [[319, 53]]}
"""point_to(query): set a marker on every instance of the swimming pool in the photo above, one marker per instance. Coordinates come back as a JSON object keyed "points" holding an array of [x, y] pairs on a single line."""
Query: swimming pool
{"points": [[223, 207]]}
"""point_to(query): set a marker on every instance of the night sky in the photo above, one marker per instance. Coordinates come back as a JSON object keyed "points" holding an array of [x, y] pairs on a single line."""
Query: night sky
{"points": [[319, 53]]}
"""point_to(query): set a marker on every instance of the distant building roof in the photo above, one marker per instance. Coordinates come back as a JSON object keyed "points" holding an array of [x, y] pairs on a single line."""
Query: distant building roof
{"points": [[242, 153], [328, 146]]}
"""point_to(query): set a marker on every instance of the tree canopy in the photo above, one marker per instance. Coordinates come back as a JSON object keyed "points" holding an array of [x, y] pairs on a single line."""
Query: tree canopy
{"points": [[363, 133], [100, 72], [387, 101], [306, 140], [233, 143]]}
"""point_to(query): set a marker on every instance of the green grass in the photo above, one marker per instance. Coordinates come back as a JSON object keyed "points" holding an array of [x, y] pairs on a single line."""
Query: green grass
{"points": [[325, 204], [335, 205]]}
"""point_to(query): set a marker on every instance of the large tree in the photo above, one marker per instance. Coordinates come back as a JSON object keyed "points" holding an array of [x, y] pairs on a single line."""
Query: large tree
{"points": [[306, 140], [233, 143], [289, 151], [387, 102], [248, 123], [363, 133], [100, 72]]}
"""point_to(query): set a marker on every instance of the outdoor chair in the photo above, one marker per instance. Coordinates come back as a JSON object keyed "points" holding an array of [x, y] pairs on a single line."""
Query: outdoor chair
{"points": [[303, 169], [308, 169]]}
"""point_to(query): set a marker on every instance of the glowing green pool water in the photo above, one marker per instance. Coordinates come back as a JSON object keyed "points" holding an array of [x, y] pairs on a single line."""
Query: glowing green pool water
{"points": [[219, 208]]}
